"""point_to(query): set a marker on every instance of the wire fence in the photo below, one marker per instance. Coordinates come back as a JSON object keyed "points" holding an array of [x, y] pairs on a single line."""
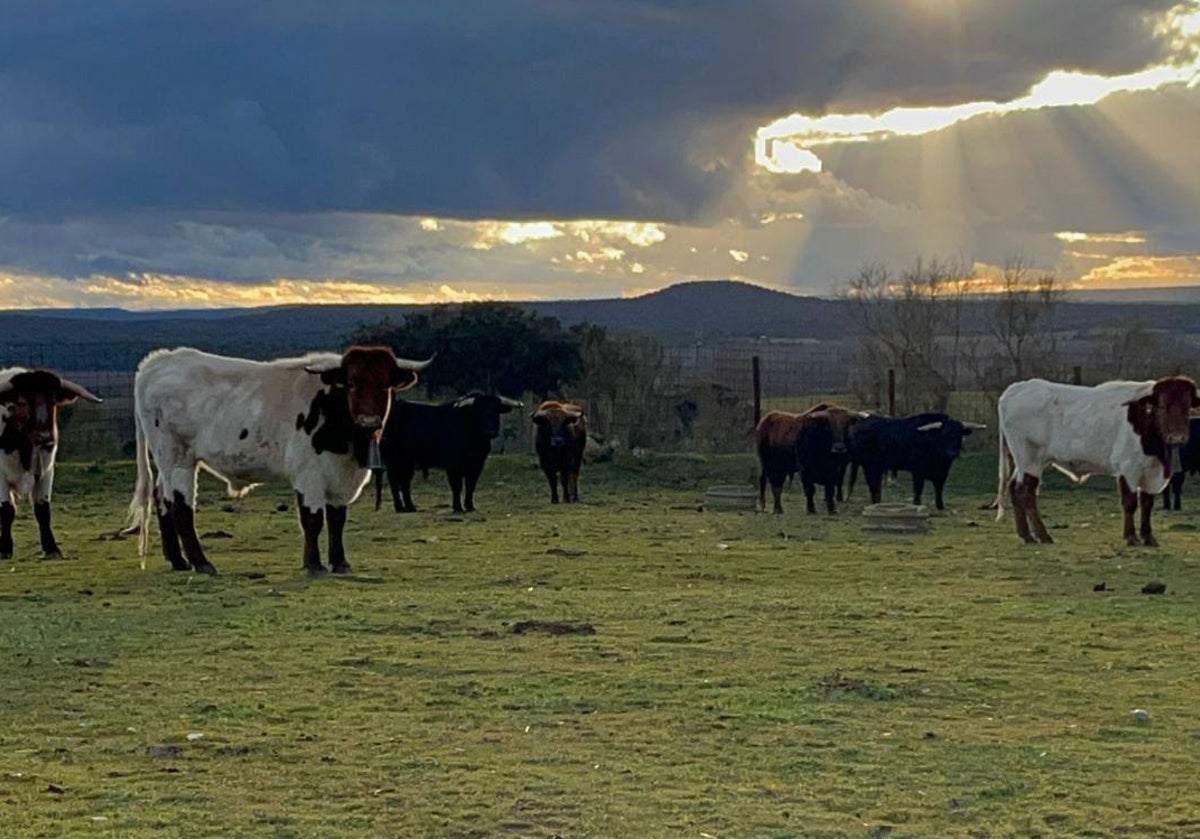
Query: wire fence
{"points": [[696, 397]]}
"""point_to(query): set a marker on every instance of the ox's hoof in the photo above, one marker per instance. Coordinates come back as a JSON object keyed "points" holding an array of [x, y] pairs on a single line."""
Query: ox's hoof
{"points": [[1149, 541], [5, 555], [1046, 538], [342, 569], [316, 571], [52, 554], [179, 565], [205, 568]]}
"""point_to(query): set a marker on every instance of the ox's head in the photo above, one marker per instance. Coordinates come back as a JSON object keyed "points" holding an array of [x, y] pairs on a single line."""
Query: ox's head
{"points": [[554, 422], [942, 435], [367, 376], [1161, 417], [841, 423], [31, 400], [485, 411]]}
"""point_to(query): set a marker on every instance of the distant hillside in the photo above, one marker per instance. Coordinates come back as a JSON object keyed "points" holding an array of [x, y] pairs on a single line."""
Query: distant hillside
{"points": [[116, 339]]}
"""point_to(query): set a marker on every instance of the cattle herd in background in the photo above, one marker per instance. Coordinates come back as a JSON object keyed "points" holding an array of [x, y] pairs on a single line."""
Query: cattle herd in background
{"points": [[323, 422]]}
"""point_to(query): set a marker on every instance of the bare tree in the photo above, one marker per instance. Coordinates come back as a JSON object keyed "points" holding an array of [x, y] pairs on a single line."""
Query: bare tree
{"points": [[1021, 318], [913, 322]]}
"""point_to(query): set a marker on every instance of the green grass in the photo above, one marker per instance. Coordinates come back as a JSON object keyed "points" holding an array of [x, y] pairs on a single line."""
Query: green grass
{"points": [[747, 675]]}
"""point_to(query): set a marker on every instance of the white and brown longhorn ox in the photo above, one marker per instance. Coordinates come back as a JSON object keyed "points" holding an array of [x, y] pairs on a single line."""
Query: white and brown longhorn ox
{"points": [[312, 421], [1131, 430], [29, 403]]}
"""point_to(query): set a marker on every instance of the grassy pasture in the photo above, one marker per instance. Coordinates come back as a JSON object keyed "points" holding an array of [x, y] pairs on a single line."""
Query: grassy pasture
{"points": [[745, 674]]}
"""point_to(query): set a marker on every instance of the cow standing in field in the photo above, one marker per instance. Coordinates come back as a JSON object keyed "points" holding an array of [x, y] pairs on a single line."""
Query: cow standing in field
{"points": [[778, 440], [29, 403], [1131, 430], [925, 445], [1189, 464], [312, 421], [559, 438], [455, 436]]}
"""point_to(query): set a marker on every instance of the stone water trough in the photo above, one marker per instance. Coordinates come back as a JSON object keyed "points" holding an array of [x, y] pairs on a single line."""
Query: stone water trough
{"points": [[731, 497], [896, 518]]}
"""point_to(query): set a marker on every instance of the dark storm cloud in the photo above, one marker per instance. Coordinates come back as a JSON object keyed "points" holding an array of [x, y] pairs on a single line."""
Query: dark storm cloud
{"points": [[485, 108]]}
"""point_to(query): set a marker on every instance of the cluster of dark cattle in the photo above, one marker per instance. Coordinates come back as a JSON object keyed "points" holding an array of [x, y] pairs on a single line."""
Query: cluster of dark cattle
{"points": [[324, 422], [822, 442]]}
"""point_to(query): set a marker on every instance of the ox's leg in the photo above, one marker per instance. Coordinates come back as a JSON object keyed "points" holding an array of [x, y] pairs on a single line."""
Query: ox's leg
{"points": [[42, 491], [874, 478], [406, 476], [1177, 488], [336, 515], [185, 525], [776, 479], [1035, 515], [1129, 503], [1146, 501], [762, 490], [311, 522], [830, 489], [1016, 492], [41, 512], [170, 537], [918, 480], [456, 488], [8, 513], [939, 484], [565, 476], [575, 484], [471, 477], [810, 490]]}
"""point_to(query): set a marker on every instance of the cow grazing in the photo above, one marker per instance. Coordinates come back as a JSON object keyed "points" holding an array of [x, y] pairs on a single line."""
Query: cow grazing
{"points": [[1189, 464], [455, 436], [29, 403], [312, 421], [1131, 430], [778, 436], [925, 445], [559, 438]]}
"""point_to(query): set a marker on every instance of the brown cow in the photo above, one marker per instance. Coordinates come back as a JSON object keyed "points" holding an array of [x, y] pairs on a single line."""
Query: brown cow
{"points": [[777, 437], [28, 444], [561, 434]]}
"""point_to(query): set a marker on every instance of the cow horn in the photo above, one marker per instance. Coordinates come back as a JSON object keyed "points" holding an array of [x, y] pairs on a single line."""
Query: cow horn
{"points": [[975, 426], [511, 403], [465, 402], [409, 364], [863, 415], [574, 411], [929, 427], [79, 391]]}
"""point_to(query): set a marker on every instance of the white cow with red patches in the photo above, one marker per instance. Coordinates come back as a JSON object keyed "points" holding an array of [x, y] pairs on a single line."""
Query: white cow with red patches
{"points": [[1131, 430], [312, 421]]}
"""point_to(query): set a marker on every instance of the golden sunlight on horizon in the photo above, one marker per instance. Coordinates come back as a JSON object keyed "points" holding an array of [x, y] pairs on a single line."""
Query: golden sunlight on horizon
{"points": [[786, 144]]}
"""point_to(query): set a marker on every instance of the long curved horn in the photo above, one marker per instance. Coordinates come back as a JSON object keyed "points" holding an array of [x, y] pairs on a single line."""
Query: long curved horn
{"points": [[573, 411], [465, 402], [409, 364], [511, 403], [975, 426], [929, 427], [79, 391], [863, 415]]}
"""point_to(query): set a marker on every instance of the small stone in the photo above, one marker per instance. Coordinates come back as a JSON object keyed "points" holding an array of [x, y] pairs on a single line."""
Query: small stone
{"points": [[1140, 715]]}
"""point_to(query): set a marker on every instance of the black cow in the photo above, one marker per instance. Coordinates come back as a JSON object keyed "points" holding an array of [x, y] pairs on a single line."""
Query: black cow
{"points": [[1189, 464], [925, 445], [821, 456], [455, 436]]}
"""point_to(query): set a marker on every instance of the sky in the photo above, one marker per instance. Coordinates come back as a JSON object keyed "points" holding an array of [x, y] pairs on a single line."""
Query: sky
{"points": [[165, 154]]}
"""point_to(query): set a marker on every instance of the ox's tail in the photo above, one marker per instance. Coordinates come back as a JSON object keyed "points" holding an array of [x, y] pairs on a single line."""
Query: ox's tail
{"points": [[140, 508], [1003, 474]]}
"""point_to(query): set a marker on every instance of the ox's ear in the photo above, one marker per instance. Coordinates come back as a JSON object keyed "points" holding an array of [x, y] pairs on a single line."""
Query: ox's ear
{"points": [[1140, 413], [403, 379], [335, 375]]}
